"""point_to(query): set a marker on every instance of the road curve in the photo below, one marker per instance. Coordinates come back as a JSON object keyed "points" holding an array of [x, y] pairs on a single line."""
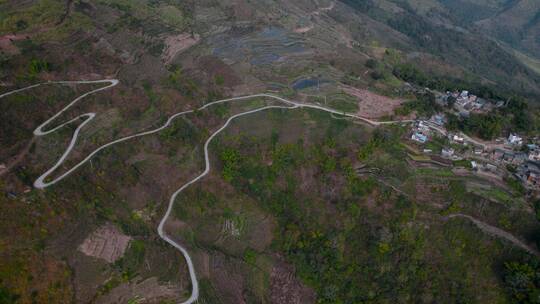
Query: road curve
{"points": [[195, 292], [41, 184]]}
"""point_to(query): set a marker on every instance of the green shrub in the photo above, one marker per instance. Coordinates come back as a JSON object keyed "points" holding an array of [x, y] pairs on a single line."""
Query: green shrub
{"points": [[250, 256], [37, 66], [219, 80], [523, 281], [230, 159], [371, 63], [7, 297]]}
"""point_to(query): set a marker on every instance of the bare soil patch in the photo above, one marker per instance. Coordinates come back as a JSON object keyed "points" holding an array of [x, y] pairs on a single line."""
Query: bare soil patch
{"points": [[226, 278], [106, 243], [6, 43], [372, 105], [147, 291], [303, 29], [175, 45], [215, 67], [285, 288]]}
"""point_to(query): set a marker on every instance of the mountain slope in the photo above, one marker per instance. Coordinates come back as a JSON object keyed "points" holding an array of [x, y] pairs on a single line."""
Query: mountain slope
{"points": [[298, 206], [439, 31], [515, 22], [518, 24]]}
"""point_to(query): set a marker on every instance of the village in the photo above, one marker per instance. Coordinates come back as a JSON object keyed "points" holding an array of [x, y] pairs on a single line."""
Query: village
{"points": [[513, 157]]}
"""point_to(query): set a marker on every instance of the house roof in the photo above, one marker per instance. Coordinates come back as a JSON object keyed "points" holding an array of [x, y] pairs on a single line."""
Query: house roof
{"points": [[530, 166]]}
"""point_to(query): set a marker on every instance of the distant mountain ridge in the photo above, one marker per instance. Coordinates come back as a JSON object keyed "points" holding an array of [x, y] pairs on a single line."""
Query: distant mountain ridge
{"points": [[498, 40], [515, 22]]}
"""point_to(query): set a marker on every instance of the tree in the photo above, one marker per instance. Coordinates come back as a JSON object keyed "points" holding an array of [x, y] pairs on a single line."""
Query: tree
{"points": [[7, 296], [377, 75], [487, 126], [523, 281], [371, 63], [37, 66], [219, 80], [450, 101], [230, 159], [21, 25]]}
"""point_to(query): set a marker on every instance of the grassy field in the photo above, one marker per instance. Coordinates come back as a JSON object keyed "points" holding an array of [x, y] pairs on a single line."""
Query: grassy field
{"points": [[342, 102]]}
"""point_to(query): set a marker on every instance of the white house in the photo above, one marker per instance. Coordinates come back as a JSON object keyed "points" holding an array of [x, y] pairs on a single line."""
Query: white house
{"points": [[514, 139], [458, 139], [534, 155], [419, 137], [447, 152], [438, 119], [422, 126]]}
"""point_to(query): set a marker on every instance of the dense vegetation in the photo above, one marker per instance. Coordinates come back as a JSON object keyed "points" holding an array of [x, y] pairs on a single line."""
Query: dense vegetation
{"points": [[424, 104], [523, 281], [411, 73], [517, 116], [522, 276], [347, 252]]}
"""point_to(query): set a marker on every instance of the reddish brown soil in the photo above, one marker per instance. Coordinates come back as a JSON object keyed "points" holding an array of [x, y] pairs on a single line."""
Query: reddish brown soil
{"points": [[148, 291], [285, 288], [6, 43], [175, 45], [214, 66], [228, 281], [372, 105], [107, 243]]}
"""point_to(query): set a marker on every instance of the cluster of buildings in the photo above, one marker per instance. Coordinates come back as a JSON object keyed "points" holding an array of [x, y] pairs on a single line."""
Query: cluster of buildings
{"points": [[438, 119], [514, 140], [468, 101], [485, 167], [510, 152], [509, 157], [422, 129], [465, 102], [534, 152], [529, 170], [529, 174], [526, 161], [516, 155], [457, 139], [420, 132]]}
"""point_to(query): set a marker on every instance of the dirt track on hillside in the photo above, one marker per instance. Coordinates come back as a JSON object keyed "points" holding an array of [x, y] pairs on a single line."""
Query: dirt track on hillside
{"points": [[492, 230]]}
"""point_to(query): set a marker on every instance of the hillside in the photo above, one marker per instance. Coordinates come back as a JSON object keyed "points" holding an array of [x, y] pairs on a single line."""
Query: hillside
{"points": [[266, 151], [521, 29], [435, 28], [513, 22]]}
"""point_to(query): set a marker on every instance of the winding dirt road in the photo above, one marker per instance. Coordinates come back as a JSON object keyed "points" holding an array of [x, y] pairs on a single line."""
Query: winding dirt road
{"points": [[40, 182], [494, 231]]}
